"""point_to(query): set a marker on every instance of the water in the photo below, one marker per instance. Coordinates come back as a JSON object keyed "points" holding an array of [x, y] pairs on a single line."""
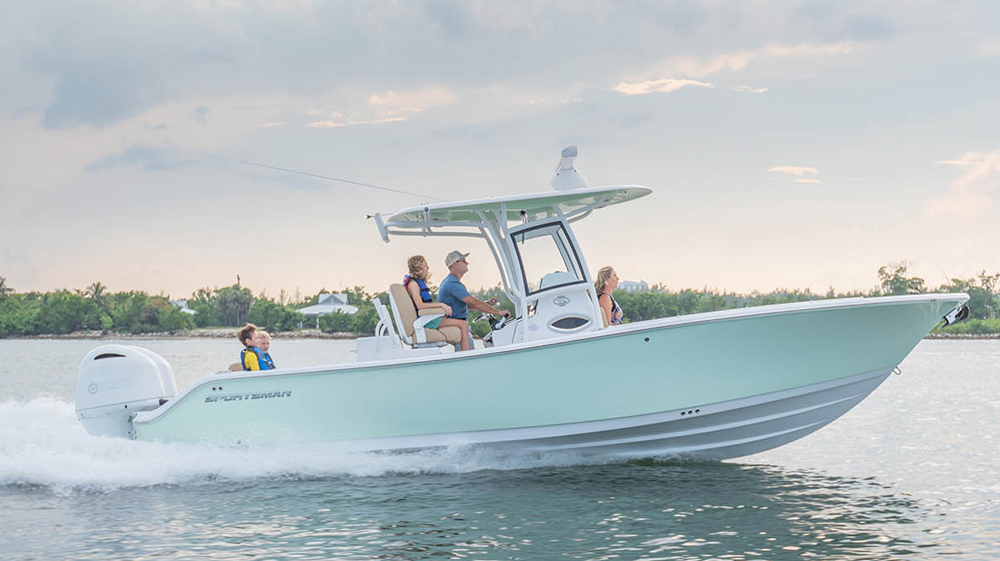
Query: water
{"points": [[911, 473]]}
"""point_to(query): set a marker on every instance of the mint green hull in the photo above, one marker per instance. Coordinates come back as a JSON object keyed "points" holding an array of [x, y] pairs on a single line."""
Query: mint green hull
{"points": [[665, 369]]}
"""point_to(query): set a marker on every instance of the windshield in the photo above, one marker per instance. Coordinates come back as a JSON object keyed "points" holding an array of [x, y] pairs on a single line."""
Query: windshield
{"points": [[548, 259]]}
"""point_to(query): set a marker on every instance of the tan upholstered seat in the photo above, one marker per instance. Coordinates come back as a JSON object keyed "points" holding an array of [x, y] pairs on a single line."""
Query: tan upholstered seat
{"points": [[235, 367], [402, 305]]}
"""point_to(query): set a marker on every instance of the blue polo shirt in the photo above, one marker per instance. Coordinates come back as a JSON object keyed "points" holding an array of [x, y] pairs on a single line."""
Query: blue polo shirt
{"points": [[451, 292]]}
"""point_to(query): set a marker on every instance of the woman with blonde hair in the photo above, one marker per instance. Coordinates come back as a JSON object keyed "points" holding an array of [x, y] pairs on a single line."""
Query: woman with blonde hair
{"points": [[605, 283], [415, 284]]}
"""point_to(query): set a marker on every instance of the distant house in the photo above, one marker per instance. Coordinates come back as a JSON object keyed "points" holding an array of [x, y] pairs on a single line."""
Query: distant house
{"points": [[183, 305], [328, 304], [633, 286]]}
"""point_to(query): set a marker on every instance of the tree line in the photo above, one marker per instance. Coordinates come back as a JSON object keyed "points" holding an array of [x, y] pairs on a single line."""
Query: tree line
{"points": [[894, 280], [66, 311], [97, 309]]}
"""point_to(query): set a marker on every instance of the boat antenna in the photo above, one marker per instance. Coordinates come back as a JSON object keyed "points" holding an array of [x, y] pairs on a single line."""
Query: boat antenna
{"points": [[400, 191]]}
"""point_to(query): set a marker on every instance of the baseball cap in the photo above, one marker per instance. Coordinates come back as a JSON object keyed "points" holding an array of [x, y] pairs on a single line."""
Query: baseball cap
{"points": [[454, 256]]}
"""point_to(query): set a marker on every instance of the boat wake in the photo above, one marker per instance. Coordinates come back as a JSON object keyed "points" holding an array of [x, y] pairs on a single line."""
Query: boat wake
{"points": [[43, 445]]}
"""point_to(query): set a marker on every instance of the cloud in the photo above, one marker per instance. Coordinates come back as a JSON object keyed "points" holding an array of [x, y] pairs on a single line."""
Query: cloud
{"points": [[476, 133], [129, 57], [794, 170], [698, 67], [971, 194], [808, 49], [954, 163], [557, 99], [11, 257], [630, 120], [329, 124], [806, 181], [691, 66], [200, 115], [147, 157], [417, 100], [688, 70], [137, 60], [988, 49], [386, 107], [666, 85]]}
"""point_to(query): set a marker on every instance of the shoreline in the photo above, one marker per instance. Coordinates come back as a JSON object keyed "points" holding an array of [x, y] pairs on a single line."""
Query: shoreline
{"points": [[226, 333], [962, 336]]}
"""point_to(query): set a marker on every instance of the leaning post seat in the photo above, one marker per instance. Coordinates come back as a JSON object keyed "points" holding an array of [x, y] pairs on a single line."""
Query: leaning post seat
{"points": [[411, 326]]}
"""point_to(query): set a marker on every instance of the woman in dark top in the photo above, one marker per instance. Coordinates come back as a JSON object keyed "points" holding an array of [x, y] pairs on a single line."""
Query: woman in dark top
{"points": [[606, 283]]}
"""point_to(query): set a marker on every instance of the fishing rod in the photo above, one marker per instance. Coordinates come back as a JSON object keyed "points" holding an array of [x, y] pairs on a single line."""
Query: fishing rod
{"points": [[400, 191]]}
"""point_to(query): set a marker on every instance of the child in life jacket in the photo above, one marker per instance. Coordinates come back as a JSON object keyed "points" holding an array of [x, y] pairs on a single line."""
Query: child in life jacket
{"points": [[256, 344]]}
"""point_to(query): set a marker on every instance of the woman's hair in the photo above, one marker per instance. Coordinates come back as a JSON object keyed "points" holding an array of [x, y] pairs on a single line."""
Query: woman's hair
{"points": [[247, 332], [414, 265], [602, 278]]}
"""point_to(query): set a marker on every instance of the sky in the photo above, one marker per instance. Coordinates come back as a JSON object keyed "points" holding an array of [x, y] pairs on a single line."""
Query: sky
{"points": [[793, 144]]}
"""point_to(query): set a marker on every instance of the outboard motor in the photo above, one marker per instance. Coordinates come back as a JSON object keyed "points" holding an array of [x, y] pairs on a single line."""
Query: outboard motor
{"points": [[116, 381]]}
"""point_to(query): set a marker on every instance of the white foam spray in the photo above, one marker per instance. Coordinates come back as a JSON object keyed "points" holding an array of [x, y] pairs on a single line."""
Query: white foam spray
{"points": [[42, 443]]}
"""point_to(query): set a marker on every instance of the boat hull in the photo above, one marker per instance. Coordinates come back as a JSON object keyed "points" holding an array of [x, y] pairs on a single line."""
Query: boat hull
{"points": [[718, 385], [718, 431]]}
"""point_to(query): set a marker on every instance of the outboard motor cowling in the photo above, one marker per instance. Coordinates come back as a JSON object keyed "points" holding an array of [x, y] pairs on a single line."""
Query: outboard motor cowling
{"points": [[116, 381]]}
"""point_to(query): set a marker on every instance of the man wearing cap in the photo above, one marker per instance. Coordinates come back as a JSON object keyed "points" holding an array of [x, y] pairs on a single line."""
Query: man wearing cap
{"points": [[453, 293]]}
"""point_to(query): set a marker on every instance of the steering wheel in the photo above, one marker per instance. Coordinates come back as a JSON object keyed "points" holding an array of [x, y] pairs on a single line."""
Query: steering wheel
{"points": [[496, 322]]}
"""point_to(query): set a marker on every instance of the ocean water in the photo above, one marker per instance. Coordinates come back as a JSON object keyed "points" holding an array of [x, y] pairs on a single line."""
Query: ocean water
{"points": [[911, 473]]}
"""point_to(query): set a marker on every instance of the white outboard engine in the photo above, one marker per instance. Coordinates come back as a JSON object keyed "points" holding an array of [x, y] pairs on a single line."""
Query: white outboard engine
{"points": [[116, 381]]}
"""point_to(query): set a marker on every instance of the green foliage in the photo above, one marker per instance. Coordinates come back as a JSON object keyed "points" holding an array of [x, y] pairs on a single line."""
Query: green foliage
{"points": [[94, 308], [4, 289], [365, 319], [57, 312], [228, 306], [358, 297], [337, 322], [272, 316], [893, 280], [62, 312], [973, 327], [234, 304], [479, 328], [138, 312], [363, 322], [981, 291], [203, 302]]}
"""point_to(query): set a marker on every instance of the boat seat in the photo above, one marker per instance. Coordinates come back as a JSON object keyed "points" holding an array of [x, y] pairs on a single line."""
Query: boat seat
{"points": [[411, 326], [604, 318], [384, 328], [235, 367]]}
